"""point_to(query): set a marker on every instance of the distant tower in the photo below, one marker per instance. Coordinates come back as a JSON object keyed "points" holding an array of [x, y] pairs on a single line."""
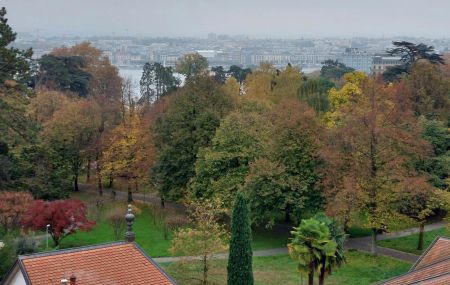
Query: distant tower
{"points": [[129, 217]]}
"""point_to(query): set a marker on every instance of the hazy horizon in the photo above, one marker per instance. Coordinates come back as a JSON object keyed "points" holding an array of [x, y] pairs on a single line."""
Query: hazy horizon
{"points": [[257, 19]]}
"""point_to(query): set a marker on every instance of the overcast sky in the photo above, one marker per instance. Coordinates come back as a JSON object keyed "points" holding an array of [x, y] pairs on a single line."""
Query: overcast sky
{"points": [[256, 18]]}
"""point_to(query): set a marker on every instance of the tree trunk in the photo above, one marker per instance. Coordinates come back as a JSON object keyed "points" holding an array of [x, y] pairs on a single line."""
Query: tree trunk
{"points": [[75, 182], [130, 193], [421, 235], [163, 202], [99, 180], [111, 181], [205, 270], [287, 217], [88, 170], [311, 274], [373, 245], [322, 274]]}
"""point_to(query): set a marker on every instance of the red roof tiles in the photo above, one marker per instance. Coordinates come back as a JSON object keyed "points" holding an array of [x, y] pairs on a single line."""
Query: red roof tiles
{"points": [[112, 264], [432, 268]]}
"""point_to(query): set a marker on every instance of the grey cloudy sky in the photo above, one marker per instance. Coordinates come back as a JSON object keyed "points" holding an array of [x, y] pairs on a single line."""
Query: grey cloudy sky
{"points": [[256, 18]]}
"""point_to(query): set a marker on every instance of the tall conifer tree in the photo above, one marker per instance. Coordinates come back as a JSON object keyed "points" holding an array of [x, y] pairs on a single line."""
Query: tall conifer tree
{"points": [[239, 267]]}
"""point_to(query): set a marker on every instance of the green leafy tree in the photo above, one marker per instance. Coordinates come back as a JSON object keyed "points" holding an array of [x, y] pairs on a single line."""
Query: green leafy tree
{"points": [[221, 168], [156, 81], [192, 65], [239, 73], [313, 248], [14, 63], [220, 74], [314, 92], [437, 165], [338, 236], [190, 122], [64, 73], [410, 53], [333, 69], [285, 178], [205, 237], [240, 258]]}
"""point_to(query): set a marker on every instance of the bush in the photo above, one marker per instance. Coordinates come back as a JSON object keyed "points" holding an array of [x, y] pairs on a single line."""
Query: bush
{"points": [[25, 245], [7, 255], [116, 219]]}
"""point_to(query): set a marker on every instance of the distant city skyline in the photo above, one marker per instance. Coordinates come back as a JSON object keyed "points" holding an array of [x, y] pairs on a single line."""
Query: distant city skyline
{"points": [[253, 18]]}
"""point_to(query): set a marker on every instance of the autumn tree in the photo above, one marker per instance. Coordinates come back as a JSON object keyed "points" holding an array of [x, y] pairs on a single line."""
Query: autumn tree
{"points": [[193, 114], [379, 135], [105, 88], [191, 65], [427, 89], [269, 85], [71, 131], [205, 237], [65, 217], [130, 152], [12, 206]]}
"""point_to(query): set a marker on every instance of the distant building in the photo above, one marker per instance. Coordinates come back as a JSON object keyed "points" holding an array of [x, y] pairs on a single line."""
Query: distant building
{"points": [[358, 59], [382, 62], [207, 53], [432, 268], [278, 60]]}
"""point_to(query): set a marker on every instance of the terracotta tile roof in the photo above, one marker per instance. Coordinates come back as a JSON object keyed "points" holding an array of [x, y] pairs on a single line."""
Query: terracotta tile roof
{"points": [[424, 273], [432, 268], [438, 250], [112, 264]]}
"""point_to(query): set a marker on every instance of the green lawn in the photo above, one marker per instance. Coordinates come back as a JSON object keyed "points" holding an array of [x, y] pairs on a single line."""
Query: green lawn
{"points": [[409, 243], [150, 236], [360, 269]]}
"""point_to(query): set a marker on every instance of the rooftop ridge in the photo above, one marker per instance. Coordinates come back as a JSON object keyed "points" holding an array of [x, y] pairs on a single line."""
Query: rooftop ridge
{"points": [[70, 250]]}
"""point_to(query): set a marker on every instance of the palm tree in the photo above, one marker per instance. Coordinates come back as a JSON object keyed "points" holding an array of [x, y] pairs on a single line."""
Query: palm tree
{"points": [[313, 248], [337, 234]]}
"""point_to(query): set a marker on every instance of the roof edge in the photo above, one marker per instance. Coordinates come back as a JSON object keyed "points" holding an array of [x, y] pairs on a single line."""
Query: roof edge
{"points": [[69, 250], [418, 270], [426, 252], [139, 248]]}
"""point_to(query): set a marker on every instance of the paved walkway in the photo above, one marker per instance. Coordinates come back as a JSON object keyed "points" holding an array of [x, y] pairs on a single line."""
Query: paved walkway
{"points": [[361, 244]]}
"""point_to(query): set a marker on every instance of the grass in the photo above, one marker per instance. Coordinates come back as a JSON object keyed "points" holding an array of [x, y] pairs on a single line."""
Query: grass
{"points": [[149, 236], [409, 243], [360, 269]]}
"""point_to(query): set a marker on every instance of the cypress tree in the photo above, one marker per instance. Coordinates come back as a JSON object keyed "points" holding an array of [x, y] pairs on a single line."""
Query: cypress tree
{"points": [[239, 267]]}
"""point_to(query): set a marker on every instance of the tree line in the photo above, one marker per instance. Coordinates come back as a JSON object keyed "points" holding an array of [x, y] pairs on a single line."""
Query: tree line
{"points": [[340, 141]]}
